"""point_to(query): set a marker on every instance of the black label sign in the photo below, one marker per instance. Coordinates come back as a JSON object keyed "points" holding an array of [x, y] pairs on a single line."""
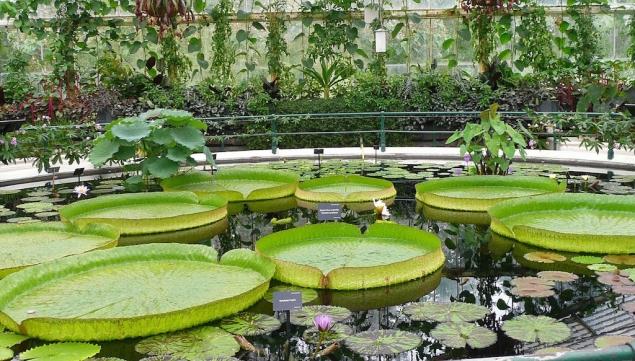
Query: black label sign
{"points": [[287, 301], [329, 212]]}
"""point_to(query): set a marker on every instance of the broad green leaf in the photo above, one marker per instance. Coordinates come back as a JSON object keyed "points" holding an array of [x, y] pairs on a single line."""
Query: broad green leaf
{"points": [[587, 259], [445, 312], [542, 329], [197, 344], [461, 334], [396, 30], [67, 351], [447, 44], [5, 354], [241, 35], [102, 151], [382, 342], [194, 45], [162, 136], [131, 130], [190, 138], [178, 154], [161, 167], [250, 324]]}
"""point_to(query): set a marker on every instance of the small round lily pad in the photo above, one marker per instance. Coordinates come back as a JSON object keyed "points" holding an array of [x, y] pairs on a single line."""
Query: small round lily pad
{"points": [[196, 344], [461, 334], [587, 259], [602, 267], [382, 342], [445, 312], [544, 257], [533, 291], [67, 351], [8, 339], [626, 259], [308, 294], [250, 324], [532, 281], [558, 276], [305, 316], [530, 328], [612, 340], [337, 333], [612, 279], [5, 354]]}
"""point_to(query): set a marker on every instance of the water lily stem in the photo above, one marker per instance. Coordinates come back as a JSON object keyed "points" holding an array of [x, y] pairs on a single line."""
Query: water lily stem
{"points": [[246, 345]]}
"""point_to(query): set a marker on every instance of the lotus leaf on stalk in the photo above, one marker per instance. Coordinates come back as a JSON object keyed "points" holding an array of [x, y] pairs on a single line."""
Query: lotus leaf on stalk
{"points": [[140, 291], [445, 312], [66, 351], [542, 329], [461, 334], [338, 256], [197, 344], [382, 342], [250, 324], [306, 315]]}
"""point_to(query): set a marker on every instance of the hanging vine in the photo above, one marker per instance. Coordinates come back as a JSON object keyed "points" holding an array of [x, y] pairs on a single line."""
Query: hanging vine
{"points": [[223, 51], [276, 44], [534, 39]]}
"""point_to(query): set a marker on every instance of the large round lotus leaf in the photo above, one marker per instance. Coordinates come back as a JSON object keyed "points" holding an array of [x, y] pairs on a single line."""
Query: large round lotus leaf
{"points": [[612, 340], [460, 334], [5, 354], [308, 294], [445, 312], [336, 333], [198, 344], [478, 193], [67, 351], [23, 245], [250, 324], [131, 291], [575, 222], [148, 213], [536, 329], [382, 342], [8, 339], [345, 189], [307, 314], [237, 184], [337, 256]]}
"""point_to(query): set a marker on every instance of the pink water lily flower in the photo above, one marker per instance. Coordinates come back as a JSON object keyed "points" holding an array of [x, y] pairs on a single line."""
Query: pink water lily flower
{"points": [[323, 322]]}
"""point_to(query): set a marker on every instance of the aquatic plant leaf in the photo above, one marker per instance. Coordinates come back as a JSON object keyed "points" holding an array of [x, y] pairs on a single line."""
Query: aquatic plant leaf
{"points": [[338, 256], [337, 333], [479, 193], [542, 329], [533, 291], [23, 245], [445, 312], [105, 359], [629, 307], [602, 267], [138, 285], [572, 222], [544, 257], [531, 281], [308, 294], [237, 185], [612, 340], [250, 324], [587, 259], [5, 354], [382, 342], [626, 259], [624, 290], [8, 339], [305, 316], [558, 276], [614, 279], [460, 334], [345, 189], [551, 350], [170, 358], [66, 351], [197, 344]]}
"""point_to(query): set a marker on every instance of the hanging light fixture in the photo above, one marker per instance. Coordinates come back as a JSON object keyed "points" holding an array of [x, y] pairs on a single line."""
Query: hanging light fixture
{"points": [[380, 40]]}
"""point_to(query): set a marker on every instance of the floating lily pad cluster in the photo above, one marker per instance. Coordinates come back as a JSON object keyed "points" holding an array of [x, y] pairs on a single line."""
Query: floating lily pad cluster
{"points": [[541, 286]]}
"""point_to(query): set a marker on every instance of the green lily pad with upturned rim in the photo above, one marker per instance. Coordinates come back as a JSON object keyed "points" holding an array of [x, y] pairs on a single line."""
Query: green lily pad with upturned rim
{"points": [[250, 324], [338, 256], [461, 334], [336, 333], [140, 291], [479, 193], [197, 344], [445, 312], [345, 189], [155, 213], [382, 342], [573, 222], [307, 294], [542, 329], [306, 315], [65, 351]]}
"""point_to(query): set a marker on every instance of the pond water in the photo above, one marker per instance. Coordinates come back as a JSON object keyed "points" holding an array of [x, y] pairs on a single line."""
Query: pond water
{"points": [[479, 268]]}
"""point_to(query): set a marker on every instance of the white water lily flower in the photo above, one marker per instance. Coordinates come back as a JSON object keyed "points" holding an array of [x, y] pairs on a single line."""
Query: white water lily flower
{"points": [[552, 176], [381, 209], [585, 177], [81, 190], [385, 214]]}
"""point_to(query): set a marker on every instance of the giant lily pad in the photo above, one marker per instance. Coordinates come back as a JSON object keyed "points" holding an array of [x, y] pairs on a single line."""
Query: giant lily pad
{"points": [[536, 329], [237, 185], [23, 245], [139, 214], [308, 294], [67, 351], [337, 256], [382, 342], [445, 312], [306, 315], [577, 222], [354, 191], [131, 291], [250, 324], [478, 193], [198, 344], [461, 334]]}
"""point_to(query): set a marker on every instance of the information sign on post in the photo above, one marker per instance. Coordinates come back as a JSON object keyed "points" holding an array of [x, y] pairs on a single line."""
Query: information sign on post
{"points": [[329, 212]]}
